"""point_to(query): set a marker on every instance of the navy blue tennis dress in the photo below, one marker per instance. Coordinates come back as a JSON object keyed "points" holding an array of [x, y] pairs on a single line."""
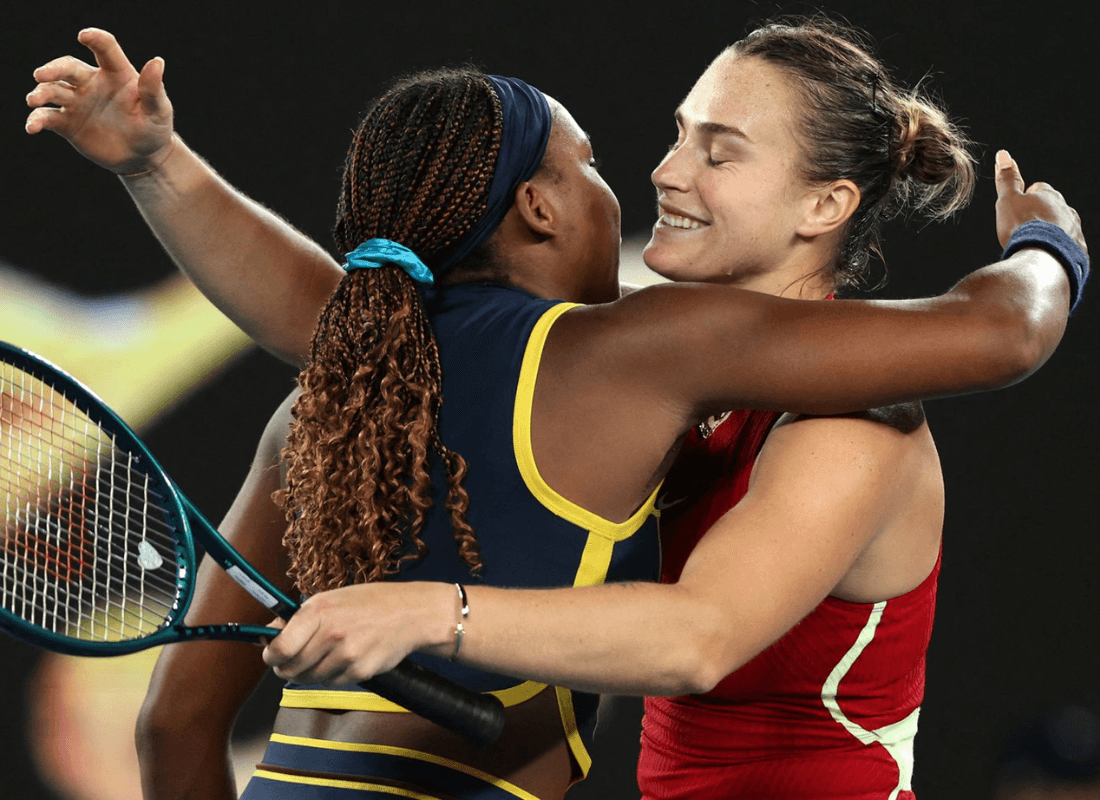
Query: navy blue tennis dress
{"points": [[490, 340]]}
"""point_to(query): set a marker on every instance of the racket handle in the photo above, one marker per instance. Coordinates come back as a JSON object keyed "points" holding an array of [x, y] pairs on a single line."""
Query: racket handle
{"points": [[477, 718]]}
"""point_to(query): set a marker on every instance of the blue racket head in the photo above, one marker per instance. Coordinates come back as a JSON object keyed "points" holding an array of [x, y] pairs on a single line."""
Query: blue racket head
{"points": [[96, 554]]}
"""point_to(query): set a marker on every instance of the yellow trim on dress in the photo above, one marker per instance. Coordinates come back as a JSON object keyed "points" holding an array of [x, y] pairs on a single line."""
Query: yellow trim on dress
{"points": [[525, 459], [572, 734], [340, 700], [403, 752], [595, 560], [592, 571], [603, 534]]}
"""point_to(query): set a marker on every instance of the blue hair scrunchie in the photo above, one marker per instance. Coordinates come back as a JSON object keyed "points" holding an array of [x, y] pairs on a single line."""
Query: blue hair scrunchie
{"points": [[525, 133], [1049, 237], [375, 253]]}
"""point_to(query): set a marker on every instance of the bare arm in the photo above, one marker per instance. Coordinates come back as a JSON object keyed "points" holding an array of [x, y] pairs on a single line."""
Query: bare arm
{"points": [[255, 267], [260, 271], [736, 349], [198, 688], [821, 491], [709, 348]]}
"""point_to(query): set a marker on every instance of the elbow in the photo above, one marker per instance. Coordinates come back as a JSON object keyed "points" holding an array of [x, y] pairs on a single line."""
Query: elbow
{"points": [[705, 656], [1030, 352], [697, 671], [152, 732], [156, 728], [164, 728], [1006, 343], [701, 677], [1024, 343]]}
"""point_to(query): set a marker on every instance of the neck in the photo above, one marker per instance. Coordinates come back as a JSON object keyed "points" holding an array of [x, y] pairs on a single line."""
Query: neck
{"points": [[544, 271], [800, 286]]}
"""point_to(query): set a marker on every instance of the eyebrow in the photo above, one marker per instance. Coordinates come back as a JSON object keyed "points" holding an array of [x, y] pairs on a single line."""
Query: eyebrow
{"points": [[715, 128]]}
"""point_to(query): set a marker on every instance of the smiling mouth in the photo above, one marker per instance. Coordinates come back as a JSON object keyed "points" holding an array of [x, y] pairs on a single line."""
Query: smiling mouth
{"points": [[676, 221]]}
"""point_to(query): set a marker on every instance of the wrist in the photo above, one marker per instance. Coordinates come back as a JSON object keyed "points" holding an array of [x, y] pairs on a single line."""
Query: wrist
{"points": [[441, 614], [1055, 241], [154, 163]]}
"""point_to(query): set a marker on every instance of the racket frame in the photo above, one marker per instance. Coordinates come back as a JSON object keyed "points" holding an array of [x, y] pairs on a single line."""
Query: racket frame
{"points": [[479, 718]]}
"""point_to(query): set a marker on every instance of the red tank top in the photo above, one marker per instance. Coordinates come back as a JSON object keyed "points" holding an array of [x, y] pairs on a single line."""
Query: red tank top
{"points": [[827, 712]]}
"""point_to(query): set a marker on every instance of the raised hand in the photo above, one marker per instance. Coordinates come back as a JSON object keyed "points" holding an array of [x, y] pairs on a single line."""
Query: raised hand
{"points": [[1017, 205], [112, 114]]}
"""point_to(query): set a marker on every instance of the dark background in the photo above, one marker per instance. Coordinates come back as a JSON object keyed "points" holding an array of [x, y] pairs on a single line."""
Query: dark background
{"points": [[269, 92]]}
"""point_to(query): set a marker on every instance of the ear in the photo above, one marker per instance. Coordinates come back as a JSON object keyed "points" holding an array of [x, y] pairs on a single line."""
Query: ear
{"points": [[829, 208], [537, 207]]}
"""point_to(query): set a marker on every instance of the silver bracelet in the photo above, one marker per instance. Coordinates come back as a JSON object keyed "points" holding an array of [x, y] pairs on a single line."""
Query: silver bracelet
{"points": [[460, 627]]}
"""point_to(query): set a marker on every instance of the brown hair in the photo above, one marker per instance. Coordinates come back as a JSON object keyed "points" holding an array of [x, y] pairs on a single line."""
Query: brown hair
{"points": [[897, 145], [365, 434]]}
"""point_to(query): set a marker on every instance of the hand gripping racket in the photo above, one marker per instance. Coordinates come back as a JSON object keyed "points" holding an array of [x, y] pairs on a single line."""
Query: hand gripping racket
{"points": [[97, 548]]}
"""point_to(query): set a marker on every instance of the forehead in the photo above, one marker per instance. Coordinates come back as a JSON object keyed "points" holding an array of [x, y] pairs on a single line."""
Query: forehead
{"points": [[565, 133], [746, 93]]}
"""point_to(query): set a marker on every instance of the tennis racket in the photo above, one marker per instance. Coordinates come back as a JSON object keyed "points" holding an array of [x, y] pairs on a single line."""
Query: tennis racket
{"points": [[97, 548]]}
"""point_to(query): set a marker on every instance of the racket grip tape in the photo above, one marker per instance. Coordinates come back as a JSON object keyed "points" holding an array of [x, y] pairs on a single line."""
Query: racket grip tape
{"points": [[477, 718]]}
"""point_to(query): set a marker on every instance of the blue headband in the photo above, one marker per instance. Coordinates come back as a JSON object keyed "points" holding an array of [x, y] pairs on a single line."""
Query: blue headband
{"points": [[524, 136], [375, 253]]}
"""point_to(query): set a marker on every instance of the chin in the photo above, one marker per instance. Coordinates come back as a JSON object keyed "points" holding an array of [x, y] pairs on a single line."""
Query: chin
{"points": [[669, 264], [660, 260]]}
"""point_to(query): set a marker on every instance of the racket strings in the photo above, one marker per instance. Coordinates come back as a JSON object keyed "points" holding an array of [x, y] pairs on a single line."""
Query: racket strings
{"points": [[87, 548]]}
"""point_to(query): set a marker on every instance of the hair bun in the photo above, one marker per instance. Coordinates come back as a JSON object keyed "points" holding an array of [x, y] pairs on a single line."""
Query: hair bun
{"points": [[932, 158]]}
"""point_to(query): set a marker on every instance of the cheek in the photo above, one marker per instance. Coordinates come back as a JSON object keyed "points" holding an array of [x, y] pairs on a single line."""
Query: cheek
{"points": [[756, 212], [616, 213], [606, 207]]}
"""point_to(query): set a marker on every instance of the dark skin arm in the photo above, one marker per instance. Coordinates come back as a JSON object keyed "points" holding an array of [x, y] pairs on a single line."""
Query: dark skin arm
{"points": [[673, 354], [198, 688], [121, 119], [668, 355]]}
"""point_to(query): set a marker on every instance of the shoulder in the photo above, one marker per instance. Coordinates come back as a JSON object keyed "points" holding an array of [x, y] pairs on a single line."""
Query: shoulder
{"points": [[879, 445]]}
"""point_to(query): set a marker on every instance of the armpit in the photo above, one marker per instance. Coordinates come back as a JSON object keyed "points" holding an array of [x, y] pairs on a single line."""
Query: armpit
{"points": [[903, 417]]}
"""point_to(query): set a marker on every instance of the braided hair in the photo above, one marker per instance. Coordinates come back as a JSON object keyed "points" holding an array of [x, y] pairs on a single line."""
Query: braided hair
{"points": [[365, 430], [900, 148]]}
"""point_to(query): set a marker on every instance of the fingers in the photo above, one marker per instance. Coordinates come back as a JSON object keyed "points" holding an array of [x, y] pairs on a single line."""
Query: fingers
{"points": [[50, 94], [108, 53], [1041, 186], [48, 118], [66, 68], [1009, 180], [1008, 177], [58, 81], [45, 119], [331, 670], [303, 652], [288, 645], [316, 660], [321, 645], [49, 101]]}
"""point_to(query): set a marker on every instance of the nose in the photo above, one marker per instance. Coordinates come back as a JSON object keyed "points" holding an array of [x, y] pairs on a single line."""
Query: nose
{"points": [[671, 174]]}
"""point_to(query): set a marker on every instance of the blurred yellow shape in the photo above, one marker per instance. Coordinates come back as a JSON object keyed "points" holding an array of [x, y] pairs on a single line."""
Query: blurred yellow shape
{"points": [[140, 352]]}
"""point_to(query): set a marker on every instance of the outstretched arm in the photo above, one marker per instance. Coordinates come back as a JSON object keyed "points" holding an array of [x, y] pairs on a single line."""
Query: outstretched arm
{"points": [[198, 688], [265, 275], [821, 491], [708, 349]]}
